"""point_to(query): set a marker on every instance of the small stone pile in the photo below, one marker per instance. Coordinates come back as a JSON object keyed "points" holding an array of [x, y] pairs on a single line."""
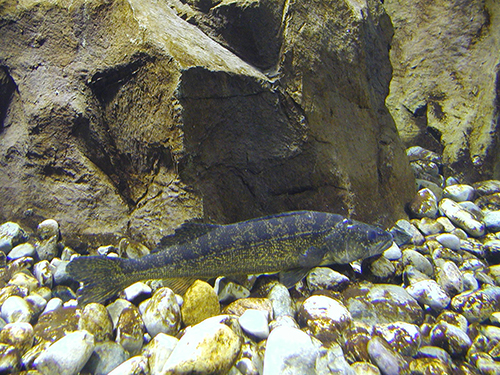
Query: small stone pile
{"points": [[429, 305]]}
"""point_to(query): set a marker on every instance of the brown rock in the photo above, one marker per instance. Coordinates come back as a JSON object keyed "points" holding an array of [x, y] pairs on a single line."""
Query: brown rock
{"points": [[200, 302]]}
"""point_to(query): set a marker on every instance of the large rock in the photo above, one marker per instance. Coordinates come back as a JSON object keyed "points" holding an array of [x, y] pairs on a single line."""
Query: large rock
{"points": [[120, 117], [444, 92]]}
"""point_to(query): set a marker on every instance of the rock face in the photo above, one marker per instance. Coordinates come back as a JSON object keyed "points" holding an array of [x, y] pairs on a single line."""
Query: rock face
{"points": [[123, 117], [444, 92]]}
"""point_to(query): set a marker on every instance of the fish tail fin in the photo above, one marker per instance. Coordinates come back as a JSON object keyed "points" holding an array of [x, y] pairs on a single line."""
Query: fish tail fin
{"points": [[101, 278]]}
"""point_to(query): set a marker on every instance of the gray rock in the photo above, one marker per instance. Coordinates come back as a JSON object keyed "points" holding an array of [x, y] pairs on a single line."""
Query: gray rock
{"points": [[290, 351], [365, 368], [326, 278], [472, 208], [451, 338], [461, 217], [47, 229], [137, 365], [469, 281], [404, 338], [446, 223], [424, 204], [281, 300], [378, 269], [16, 309], [332, 360], [428, 292], [476, 305], [205, 348], [255, 323], [450, 279], [492, 221], [435, 352], [105, 357], [393, 252], [459, 192], [48, 249], [53, 304], [162, 314], [36, 302], [137, 290], [11, 235], [387, 360], [67, 355], [8, 359], [22, 250], [229, 291], [419, 261], [449, 240]]}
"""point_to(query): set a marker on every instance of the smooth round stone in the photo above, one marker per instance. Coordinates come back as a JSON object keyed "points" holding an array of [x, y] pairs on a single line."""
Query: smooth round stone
{"points": [[449, 277], [19, 335], [446, 223], [393, 252], [428, 226], [137, 365], [492, 221], [428, 292], [22, 250], [459, 192], [52, 305], [47, 249], [200, 302], [473, 209], [24, 280], [61, 277], [105, 357], [229, 291], [11, 234], [420, 153], [451, 338], [476, 306], [255, 323], [424, 204], [281, 301], [387, 360], [449, 240], [427, 365], [137, 290], [16, 309], [48, 228], [419, 261], [405, 338], [488, 367], [325, 278], [158, 350], [435, 352], [487, 187], [461, 217], [43, 273], [67, 355], [434, 187], [162, 313], [325, 317], [381, 303], [378, 269], [95, 319], [130, 330], [205, 348], [9, 358], [290, 351], [365, 368], [332, 360]]}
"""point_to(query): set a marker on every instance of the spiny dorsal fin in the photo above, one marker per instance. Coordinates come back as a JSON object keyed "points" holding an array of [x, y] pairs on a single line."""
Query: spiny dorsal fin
{"points": [[185, 233]]}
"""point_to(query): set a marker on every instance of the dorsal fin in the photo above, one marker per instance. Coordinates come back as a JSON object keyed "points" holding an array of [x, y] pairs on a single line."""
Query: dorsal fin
{"points": [[185, 233]]}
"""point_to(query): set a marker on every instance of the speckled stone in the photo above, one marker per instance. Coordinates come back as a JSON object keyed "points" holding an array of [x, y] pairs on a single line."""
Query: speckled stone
{"points": [[48, 248], [461, 217], [205, 348], [43, 273], [326, 318], [19, 335], [130, 330], [96, 320], [137, 290], [238, 307], [53, 325], [137, 365], [449, 240], [386, 359], [424, 204], [200, 302], [476, 306], [450, 279], [433, 366], [229, 291], [115, 309], [326, 278], [451, 338], [24, 280], [365, 368], [403, 337], [162, 314], [158, 350], [378, 269], [428, 292], [16, 309], [331, 359], [459, 192]]}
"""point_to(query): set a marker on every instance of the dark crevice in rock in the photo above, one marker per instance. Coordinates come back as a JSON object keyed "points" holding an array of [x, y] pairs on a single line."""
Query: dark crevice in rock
{"points": [[7, 88]]}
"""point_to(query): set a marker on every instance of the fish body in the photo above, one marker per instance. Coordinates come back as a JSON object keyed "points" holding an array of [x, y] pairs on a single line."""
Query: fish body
{"points": [[288, 241]]}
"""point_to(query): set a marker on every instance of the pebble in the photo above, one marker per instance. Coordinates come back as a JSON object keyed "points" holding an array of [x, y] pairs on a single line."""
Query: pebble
{"points": [[200, 302], [238, 307], [451, 338], [461, 217], [115, 309], [449, 240], [424, 204], [404, 338], [67, 355], [47, 249], [487, 187], [459, 192], [476, 305], [195, 354], [158, 350], [19, 335], [106, 357], [378, 269], [290, 351], [162, 314], [386, 359], [11, 235], [325, 278], [95, 319], [393, 252], [492, 221], [24, 280], [47, 229], [417, 260], [229, 291], [446, 223], [16, 309], [137, 365], [365, 368], [22, 250], [137, 290], [43, 273], [255, 323], [130, 330], [450, 278], [9, 358], [428, 226], [428, 292], [332, 360], [281, 301]]}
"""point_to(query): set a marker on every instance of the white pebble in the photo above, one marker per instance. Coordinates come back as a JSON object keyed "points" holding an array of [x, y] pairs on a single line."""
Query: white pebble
{"points": [[492, 221], [429, 292], [255, 323], [53, 304], [393, 252], [449, 240], [15, 309], [461, 217], [67, 355], [135, 290], [22, 250], [132, 366]]}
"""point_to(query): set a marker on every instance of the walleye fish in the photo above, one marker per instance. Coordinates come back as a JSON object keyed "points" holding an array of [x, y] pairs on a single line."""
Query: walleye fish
{"points": [[294, 242]]}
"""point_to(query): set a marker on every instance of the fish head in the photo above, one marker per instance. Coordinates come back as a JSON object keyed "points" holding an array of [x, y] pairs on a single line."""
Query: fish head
{"points": [[352, 240]]}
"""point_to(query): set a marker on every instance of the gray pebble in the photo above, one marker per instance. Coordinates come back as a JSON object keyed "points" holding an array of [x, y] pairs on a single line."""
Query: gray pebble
{"points": [[451, 338], [43, 273], [424, 204], [36, 302], [393, 252], [137, 365], [158, 350], [469, 281], [331, 360], [387, 360], [290, 351], [450, 279], [15, 309], [137, 290], [404, 338], [459, 192], [492, 221], [67, 355], [22, 250], [229, 291], [419, 261], [449, 240], [429, 292], [105, 357], [47, 249], [162, 314], [255, 324], [115, 309], [47, 229], [461, 217], [53, 304], [11, 234], [95, 319], [281, 301], [326, 278], [130, 330]]}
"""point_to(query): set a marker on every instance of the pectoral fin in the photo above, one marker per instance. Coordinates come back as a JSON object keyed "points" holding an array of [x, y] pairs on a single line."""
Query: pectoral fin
{"points": [[312, 257], [291, 277]]}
